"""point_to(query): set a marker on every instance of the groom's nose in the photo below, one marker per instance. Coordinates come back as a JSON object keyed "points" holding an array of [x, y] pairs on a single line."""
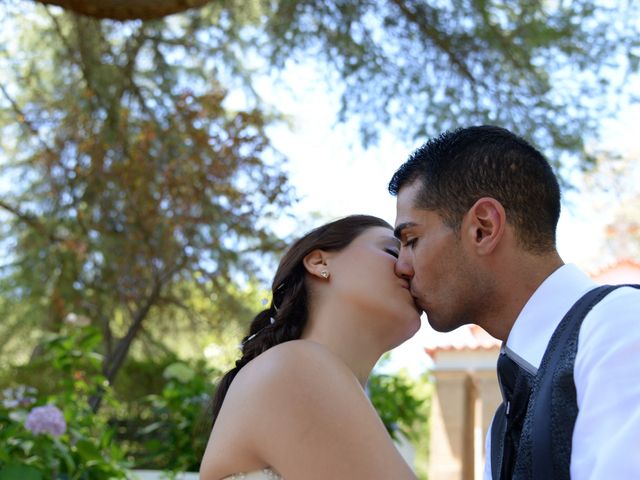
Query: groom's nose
{"points": [[404, 268]]}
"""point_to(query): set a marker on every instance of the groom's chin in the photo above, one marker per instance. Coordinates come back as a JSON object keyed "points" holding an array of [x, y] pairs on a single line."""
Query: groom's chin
{"points": [[441, 325]]}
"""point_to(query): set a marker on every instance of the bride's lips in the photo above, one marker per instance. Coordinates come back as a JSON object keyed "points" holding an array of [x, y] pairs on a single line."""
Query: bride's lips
{"points": [[415, 301], [407, 287]]}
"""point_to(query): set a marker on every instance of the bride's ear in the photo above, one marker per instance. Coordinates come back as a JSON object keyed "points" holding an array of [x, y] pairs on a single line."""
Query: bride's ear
{"points": [[316, 264]]}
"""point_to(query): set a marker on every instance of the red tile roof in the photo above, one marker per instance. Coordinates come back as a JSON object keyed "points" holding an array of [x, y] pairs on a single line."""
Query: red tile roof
{"points": [[627, 264], [467, 337]]}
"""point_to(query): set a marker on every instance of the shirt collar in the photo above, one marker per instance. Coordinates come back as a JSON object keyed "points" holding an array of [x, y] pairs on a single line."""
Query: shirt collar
{"points": [[543, 312]]}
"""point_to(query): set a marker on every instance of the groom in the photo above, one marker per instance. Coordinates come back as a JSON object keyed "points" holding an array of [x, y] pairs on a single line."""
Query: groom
{"points": [[477, 210]]}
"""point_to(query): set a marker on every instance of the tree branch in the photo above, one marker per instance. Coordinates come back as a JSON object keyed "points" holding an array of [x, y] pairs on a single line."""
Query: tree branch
{"points": [[435, 36], [32, 221], [126, 9], [113, 362], [22, 119]]}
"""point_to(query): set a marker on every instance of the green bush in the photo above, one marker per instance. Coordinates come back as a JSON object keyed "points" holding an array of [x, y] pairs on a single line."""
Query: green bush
{"points": [[160, 420], [57, 435], [401, 408], [404, 404], [171, 428]]}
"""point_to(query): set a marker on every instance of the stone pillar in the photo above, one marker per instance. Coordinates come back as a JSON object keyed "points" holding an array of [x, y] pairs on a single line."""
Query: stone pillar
{"points": [[472, 462], [447, 426]]}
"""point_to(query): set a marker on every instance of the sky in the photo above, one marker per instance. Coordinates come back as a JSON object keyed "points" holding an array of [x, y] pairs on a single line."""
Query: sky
{"points": [[334, 176]]}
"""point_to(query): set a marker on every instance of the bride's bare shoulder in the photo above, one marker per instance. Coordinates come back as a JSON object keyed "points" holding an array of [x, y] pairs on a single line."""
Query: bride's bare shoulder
{"points": [[292, 371], [298, 361]]}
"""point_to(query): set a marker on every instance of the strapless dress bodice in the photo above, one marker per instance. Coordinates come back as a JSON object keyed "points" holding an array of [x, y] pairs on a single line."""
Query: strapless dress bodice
{"points": [[265, 474]]}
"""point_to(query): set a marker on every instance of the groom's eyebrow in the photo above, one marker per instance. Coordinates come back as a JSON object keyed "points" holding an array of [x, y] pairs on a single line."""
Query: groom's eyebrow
{"points": [[398, 230]]}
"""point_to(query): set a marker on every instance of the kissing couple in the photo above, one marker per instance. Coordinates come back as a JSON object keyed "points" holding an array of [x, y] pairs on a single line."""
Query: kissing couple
{"points": [[474, 241]]}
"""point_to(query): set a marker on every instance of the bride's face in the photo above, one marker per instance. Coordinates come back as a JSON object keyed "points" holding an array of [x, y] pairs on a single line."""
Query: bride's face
{"points": [[363, 275]]}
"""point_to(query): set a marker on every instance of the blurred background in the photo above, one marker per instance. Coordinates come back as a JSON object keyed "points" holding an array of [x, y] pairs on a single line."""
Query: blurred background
{"points": [[156, 157]]}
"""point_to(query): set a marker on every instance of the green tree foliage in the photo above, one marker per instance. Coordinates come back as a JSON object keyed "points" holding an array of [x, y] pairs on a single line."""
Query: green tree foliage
{"points": [[548, 70], [131, 174]]}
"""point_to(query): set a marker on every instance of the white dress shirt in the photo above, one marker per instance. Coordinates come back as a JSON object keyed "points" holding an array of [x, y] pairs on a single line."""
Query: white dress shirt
{"points": [[606, 438]]}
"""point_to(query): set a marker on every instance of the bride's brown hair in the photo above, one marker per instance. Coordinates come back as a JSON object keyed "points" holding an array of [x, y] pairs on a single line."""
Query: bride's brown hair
{"points": [[286, 317]]}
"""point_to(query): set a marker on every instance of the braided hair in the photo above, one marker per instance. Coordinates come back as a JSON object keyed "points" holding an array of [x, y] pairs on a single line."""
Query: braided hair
{"points": [[286, 317]]}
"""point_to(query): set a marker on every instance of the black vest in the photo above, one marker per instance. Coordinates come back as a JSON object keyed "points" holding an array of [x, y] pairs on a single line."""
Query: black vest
{"points": [[544, 451]]}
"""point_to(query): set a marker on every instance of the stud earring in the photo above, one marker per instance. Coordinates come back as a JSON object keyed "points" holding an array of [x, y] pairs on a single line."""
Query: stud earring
{"points": [[324, 274]]}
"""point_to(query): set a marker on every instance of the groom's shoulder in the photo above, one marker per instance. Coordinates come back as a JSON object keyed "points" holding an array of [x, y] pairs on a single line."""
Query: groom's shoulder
{"points": [[610, 329], [622, 300]]}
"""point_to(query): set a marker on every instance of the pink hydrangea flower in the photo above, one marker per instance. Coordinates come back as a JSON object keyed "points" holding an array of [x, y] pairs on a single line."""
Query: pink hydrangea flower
{"points": [[46, 419]]}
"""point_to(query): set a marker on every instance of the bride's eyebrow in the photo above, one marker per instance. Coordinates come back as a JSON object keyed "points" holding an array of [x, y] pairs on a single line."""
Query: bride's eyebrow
{"points": [[390, 242]]}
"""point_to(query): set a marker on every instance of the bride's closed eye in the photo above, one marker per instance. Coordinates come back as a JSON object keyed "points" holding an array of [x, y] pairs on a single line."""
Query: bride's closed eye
{"points": [[393, 253]]}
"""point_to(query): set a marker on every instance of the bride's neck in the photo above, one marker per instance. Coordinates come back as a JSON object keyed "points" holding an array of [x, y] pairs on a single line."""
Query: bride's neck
{"points": [[356, 348]]}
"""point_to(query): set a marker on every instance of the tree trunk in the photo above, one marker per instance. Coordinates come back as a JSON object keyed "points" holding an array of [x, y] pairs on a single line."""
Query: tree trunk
{"points": [[114, 361], [126, 9]]}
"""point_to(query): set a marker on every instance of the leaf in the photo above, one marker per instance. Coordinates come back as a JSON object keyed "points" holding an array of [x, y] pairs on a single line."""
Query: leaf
{"points": [[88, 450], [21, 472], [91, 340], [63, 450], [150, 428]]}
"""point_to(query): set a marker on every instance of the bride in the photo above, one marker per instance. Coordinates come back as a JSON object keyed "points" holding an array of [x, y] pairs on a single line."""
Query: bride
{"points": [[294, 406]]}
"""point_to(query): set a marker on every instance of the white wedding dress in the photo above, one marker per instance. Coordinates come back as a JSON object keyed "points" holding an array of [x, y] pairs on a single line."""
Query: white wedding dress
{"points": [[266, 474]]}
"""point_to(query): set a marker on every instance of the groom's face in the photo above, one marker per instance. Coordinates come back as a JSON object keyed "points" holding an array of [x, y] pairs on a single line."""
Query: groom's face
{"points": [[433, 261]]}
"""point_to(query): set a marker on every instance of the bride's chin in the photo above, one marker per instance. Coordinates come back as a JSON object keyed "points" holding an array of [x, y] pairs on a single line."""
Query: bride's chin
{"points": [[413, 325], [410, 328], [417, 323]]}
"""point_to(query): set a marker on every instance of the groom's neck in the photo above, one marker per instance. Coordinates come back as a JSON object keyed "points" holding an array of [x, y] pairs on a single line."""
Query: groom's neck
{"points": [[516, 282]]}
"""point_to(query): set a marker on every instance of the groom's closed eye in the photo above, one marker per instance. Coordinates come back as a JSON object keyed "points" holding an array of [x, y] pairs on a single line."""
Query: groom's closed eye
{"points": [[410, 243]]}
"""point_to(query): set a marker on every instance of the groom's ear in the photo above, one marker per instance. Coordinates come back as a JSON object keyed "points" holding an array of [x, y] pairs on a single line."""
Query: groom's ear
{"points": [[484, 225]]}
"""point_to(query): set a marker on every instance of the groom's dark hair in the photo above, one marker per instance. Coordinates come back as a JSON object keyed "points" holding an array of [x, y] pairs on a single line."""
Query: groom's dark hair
{"points": [[461, 166]]}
